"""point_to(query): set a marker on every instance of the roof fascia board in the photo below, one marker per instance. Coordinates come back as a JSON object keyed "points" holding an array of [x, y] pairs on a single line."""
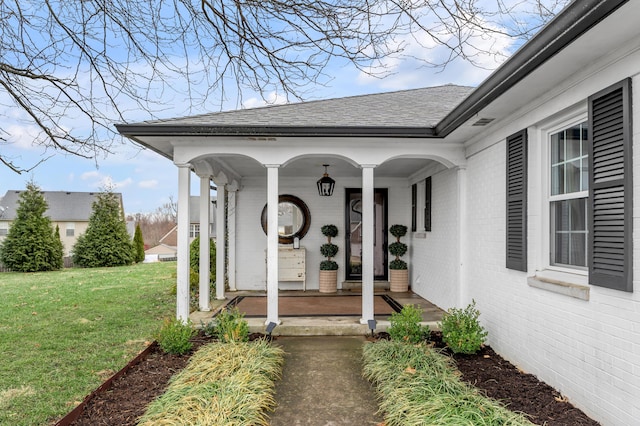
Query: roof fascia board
{"points": [[576, 19], [135, 131]]}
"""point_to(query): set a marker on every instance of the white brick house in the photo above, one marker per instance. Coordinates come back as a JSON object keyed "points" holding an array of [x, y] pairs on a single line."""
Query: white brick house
{"points": [[519, 195]]}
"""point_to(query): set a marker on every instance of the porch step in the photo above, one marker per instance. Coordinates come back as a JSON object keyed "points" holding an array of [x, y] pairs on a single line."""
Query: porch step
{"points": [[323, 326], [357, 285]]}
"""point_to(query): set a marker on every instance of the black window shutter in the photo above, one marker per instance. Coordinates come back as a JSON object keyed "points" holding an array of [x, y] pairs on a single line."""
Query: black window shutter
{"points": [[610, 188], [516, 253], [414, 207], [427, 204]]}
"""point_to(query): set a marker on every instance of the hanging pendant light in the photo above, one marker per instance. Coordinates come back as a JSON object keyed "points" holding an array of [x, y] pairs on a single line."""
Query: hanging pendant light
{"points": [[326, 184]]}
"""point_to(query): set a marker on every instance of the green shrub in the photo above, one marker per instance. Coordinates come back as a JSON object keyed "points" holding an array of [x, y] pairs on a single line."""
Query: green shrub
{"points": [[31, 244], [398, 264], [106, 241], [174, 336], [461, 330], [194, 257], [398, 248], [329, 231], [138, 245], [230, 326], [405, 325], [328, 249], [328, 265]]}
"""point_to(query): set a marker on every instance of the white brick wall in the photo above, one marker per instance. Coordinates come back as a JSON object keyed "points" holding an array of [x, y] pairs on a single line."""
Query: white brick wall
{"points": [[251, 240], [434, 255], [588, 350]]}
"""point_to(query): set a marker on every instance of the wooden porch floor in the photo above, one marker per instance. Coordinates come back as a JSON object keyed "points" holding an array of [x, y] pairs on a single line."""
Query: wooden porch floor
{"points": [[324, 325]]}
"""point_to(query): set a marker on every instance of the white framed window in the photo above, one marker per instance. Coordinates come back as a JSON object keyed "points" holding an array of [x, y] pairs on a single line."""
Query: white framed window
{"points": [[194, 230], [568, 194], [4, 228], [71, 229]]}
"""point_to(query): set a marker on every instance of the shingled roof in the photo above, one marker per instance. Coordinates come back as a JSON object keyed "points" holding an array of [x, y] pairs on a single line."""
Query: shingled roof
{"points": [[408, 108], [63, 206]]}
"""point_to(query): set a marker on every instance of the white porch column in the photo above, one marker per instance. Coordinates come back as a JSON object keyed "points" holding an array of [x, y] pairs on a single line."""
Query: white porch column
{"points": [[272, 243], [182, 284], [462, 232], [205, 241], [220, 242], [231, 233], [367, 243]]}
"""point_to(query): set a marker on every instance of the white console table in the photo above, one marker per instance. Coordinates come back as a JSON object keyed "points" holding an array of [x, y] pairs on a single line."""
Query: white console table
{"points": [[292, 265]]}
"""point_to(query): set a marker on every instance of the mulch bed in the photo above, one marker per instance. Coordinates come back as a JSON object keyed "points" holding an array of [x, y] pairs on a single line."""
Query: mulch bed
{"points": [[127, 399]]}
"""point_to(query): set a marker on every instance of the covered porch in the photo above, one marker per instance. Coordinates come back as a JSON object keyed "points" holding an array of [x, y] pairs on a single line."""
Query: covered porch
{"points": [[380, 150]]}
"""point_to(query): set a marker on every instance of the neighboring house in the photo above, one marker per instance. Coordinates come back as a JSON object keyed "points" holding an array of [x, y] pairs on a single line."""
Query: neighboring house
{"points": [[168, 245], [70, 211], [519, 195]]}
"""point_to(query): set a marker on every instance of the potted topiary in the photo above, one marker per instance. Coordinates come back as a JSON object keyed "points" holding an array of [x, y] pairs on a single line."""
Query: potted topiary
{"points": [[329, 268], [398, 272]]}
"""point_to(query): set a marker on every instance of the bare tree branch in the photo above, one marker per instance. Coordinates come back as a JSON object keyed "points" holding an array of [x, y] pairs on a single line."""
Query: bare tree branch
{"points": [[70, 69]]}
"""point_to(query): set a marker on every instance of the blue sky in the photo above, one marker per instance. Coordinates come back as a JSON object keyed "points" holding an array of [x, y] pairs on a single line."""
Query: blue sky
{"points": [[148, 180]]}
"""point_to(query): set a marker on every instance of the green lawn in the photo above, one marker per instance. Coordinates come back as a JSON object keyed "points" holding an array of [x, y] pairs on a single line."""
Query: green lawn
{"points": [[63, 333]]}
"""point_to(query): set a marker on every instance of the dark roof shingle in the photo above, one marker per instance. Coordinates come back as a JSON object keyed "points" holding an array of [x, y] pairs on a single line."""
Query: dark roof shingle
{"points": [[408, 108]]}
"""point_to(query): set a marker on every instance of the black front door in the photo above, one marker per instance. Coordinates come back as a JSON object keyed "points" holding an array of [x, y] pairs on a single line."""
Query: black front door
{"points": [[353, 243]]}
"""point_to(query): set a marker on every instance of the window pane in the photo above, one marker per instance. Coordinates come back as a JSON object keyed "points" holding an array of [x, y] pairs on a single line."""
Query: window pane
{"points": [[578, 212], [557, 149], [578, 251], [573, 143], [584, 175], [557, 179], [569, 233], [572, 176]]}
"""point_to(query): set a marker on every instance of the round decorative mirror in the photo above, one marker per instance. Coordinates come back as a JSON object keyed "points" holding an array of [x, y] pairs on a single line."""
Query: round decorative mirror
{"points": [[293, 218]]}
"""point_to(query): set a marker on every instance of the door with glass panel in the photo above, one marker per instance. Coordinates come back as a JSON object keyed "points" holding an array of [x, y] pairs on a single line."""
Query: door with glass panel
{"points": [[353, 243]]}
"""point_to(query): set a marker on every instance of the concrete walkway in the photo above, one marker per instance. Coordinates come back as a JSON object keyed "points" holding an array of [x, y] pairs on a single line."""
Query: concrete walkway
{"points": [[322, 383]]}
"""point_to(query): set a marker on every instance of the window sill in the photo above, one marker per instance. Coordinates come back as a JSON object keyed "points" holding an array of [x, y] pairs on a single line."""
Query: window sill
{"points": [[572, 285]]}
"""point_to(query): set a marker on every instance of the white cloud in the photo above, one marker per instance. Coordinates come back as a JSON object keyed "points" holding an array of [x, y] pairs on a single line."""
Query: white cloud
{"points": [[22, 136], [411, 69], [151, 183], [94, 174], [272, 99]]}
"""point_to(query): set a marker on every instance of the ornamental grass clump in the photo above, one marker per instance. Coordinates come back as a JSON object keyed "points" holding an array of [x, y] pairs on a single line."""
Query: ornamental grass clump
{"points": [[405, 325], [174, 336], [223, 384], [417, 385], [461, 330]]}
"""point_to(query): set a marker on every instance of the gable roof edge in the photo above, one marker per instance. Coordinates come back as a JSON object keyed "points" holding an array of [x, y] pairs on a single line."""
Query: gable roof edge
{"points": [[571, 23]]}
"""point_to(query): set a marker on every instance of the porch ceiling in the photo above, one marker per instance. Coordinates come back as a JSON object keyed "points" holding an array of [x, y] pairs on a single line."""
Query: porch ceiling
{"points": [[313, 167]]}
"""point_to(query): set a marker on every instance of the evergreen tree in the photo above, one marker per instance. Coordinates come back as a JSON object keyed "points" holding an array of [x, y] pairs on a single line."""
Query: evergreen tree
{"points": [[194, 257], [138, 245], [59, 249], [106, 242], [31, 244]]}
